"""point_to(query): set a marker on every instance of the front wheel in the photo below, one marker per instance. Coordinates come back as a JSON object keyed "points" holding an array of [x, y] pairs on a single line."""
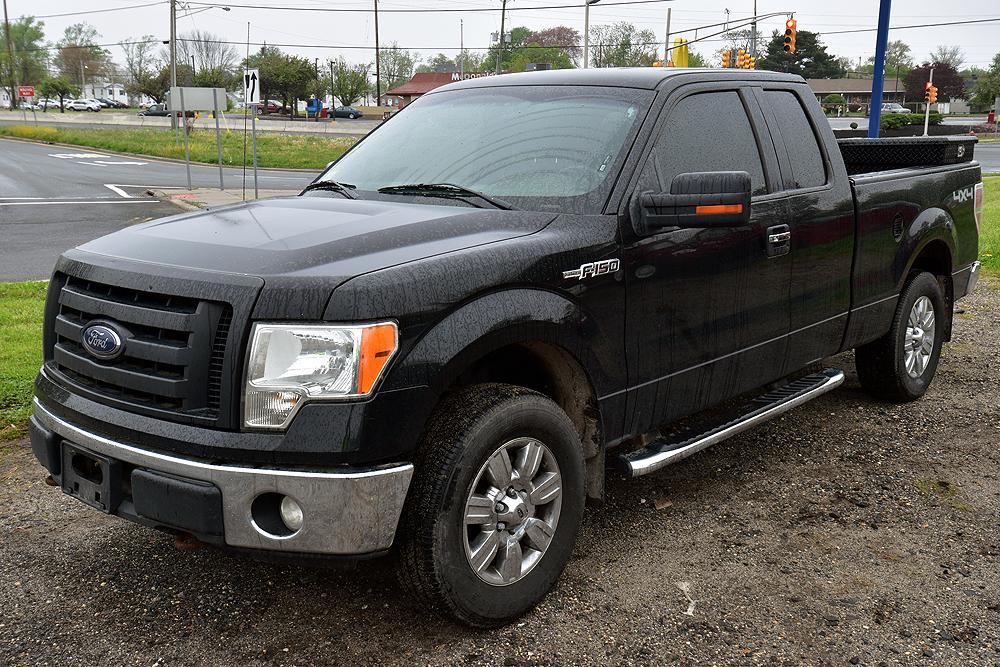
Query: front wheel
{"points": [[495, 505], [900, 365]]}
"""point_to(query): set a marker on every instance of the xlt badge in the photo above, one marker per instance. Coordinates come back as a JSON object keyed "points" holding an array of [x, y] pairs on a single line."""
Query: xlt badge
{"points": [[591, 269]]}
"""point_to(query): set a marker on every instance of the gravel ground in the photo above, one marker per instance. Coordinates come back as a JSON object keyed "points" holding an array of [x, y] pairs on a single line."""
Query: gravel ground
{"points": [[849, 532]]}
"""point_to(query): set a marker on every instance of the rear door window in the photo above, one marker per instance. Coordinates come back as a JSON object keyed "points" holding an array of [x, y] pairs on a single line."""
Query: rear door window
{"points": [[804, 155]]}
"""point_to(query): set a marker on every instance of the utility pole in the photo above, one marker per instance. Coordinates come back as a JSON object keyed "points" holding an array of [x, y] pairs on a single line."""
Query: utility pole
{"points": [[378, 73], [753, 31], [461, 47], [586, 31], [666, 41], [13, 65], [503, 16], [881, 42], [927, 111], [173, 42]]}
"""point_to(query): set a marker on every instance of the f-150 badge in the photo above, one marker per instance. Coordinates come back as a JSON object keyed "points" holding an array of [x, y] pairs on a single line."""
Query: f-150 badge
{"points": [[591, 269]]}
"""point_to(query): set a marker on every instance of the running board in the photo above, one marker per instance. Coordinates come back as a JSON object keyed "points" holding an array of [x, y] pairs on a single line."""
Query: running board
{"points": [[662, 453]]}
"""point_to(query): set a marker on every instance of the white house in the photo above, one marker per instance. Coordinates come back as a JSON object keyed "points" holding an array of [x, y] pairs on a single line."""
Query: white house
{"points": [[105, 90]]}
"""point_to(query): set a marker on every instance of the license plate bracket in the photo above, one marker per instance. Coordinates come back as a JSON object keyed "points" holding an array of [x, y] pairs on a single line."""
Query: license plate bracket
{"points": [[90, 478]]}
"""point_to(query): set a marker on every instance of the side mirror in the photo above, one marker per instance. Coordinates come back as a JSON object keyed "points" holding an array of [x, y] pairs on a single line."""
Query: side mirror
{"points": [[696, 200]]}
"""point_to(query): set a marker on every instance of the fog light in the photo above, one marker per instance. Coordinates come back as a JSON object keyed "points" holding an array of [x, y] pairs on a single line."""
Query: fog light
{"points": [[291, 514]]}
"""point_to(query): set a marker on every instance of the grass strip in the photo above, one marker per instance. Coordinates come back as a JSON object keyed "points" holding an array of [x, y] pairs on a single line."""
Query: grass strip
{"points": [[289, 151]]}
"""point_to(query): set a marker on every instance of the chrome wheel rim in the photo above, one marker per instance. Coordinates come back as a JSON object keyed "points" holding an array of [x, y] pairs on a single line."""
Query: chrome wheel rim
{"points": [[919, 343], [511, 511]]}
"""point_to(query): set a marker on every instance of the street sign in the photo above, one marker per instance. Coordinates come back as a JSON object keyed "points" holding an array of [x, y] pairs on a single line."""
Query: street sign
{"points": [[25, 91], [251, 86], [196, 99]]}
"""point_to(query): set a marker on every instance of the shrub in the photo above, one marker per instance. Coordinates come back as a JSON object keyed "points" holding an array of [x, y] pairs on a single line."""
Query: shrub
{"points": [[894, 121]]}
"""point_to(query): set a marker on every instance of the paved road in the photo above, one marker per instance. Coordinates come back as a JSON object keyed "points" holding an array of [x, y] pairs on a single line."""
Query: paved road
{"points": [[845, 123], [53, 198]]}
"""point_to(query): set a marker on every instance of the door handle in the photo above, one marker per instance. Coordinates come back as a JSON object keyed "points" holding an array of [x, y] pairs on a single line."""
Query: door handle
{"points": [[779, 240]]}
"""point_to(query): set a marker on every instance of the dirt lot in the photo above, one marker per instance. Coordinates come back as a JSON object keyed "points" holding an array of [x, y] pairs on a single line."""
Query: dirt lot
{"points": [[849, 532]]}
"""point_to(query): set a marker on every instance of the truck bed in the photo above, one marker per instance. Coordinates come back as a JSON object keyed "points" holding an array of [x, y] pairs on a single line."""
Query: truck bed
{"points": [[864, 156]]}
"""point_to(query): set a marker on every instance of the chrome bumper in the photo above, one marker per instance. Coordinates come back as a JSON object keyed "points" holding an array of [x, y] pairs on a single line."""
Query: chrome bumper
{"points": [[344, 512]]}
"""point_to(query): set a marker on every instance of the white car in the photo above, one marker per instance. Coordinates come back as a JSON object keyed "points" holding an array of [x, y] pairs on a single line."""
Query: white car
{"points": [[83, 105]]}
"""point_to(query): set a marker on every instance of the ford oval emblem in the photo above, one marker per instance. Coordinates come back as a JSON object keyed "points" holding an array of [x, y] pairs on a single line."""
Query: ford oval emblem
{"points": [[102, 341]]}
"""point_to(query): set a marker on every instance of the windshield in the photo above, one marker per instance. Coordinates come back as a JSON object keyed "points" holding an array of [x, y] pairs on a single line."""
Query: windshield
{"points": [[538, 148]]}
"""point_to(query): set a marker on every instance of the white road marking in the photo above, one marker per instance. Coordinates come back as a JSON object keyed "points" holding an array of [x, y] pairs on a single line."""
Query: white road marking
{"points": [[117, 190], [77, 203], [136, 164], [77, 156], [49, 198]]}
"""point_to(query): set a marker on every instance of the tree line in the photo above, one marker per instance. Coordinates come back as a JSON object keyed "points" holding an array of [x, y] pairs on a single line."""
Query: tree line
{"points": [[61, 68]]}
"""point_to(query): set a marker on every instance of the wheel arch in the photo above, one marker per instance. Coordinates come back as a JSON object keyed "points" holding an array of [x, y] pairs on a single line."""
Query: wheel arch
{"points": [[527, 337]]}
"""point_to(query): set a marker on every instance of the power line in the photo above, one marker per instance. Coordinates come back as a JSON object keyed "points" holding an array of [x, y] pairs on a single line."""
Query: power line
{"points": [[98, 11], [363, 10], [916, 25]]}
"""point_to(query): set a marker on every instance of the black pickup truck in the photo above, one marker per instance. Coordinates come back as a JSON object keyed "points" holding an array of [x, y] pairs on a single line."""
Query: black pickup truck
{"points": [[438, 348]]}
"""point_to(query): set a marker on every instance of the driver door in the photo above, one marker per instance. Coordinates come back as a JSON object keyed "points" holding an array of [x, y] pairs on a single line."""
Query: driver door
{"points": [[707, 308]]}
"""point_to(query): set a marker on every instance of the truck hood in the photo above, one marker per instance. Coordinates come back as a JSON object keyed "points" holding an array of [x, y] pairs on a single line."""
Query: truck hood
{"points": [[323, 238]]}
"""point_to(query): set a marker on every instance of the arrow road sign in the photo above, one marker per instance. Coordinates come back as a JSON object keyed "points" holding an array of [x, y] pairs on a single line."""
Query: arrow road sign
{"points": [[251, 86]]}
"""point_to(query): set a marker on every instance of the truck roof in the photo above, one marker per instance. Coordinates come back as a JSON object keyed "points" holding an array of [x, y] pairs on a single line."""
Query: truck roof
{"points": [[620, 77]]}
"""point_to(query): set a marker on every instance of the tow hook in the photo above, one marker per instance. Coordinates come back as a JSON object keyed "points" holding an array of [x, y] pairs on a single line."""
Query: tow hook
{"points": [[188, 542]]}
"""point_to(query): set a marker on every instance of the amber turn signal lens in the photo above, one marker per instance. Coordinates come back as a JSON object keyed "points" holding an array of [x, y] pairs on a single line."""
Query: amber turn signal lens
{"points": [[718, 209], [378, 344]]}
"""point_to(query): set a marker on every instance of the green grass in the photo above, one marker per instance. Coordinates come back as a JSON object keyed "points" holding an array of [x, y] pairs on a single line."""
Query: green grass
{"points": [[989, 240], [273, 150], [21, 306]]}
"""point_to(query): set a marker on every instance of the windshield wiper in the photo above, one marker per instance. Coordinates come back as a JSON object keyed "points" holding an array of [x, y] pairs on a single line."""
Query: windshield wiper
{"points": [[336, 186], [447, 190]]}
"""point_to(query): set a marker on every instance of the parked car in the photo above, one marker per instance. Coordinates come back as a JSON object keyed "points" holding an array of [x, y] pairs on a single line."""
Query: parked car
{"points": [[83, 105], [47, 103], [111, 104], [270, 106], [890, 107], [441, 344], [162, 110], [347, 112]]}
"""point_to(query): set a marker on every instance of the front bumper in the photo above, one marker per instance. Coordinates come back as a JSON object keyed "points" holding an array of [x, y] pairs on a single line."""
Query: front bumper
{"points": [[345, 511]]}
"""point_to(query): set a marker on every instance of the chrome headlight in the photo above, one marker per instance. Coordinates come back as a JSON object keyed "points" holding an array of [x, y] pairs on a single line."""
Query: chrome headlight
{"points": [[290, 364]]}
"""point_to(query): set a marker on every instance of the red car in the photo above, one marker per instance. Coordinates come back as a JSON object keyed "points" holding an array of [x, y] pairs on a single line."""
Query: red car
{"points": [[269, 106]]}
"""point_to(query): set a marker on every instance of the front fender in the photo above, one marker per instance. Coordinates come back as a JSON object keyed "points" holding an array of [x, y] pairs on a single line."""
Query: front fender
{"points": [[499, 319]]}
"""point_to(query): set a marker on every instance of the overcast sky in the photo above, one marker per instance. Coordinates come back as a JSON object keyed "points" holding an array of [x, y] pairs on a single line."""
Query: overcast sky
{"points": [[428, 32]]}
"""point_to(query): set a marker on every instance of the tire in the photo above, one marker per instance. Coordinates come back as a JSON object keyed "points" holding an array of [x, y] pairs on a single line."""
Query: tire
{"points": [[435, 545], [352, 116], [887, 368]]}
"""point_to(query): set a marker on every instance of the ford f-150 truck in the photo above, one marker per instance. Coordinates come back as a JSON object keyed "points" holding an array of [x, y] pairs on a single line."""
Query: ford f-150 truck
{"points": [[437, 349]]}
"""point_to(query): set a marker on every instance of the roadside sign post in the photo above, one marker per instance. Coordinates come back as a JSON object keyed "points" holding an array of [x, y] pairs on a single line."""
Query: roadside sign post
{"points": [[218, 134], [187, 154], [28, 91], [927, 111], [251, 98]]}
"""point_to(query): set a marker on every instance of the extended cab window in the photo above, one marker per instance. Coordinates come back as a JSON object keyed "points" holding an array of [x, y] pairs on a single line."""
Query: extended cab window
{"points": [[536, 147], [804, 155], [705, 132]]}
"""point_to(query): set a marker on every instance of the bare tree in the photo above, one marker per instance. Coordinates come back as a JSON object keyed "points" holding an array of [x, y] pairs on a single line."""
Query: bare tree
{"points": [[209, 51], [141, 62], [949, 55]]}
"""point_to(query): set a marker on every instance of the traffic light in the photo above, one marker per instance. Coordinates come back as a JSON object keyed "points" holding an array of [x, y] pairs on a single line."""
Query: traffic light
{"points": [[930, 93], [727, 59], [751, 63], [741, 57], [790, 28]]}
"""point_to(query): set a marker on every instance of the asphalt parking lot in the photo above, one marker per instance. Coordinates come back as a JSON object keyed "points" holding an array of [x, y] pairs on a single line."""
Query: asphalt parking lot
{"points": [[53, 198], [849, 532]]}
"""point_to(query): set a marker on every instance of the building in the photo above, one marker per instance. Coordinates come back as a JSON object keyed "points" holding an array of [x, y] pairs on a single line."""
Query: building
{"points": [[105, 90], [424, 82], [858, 91]]}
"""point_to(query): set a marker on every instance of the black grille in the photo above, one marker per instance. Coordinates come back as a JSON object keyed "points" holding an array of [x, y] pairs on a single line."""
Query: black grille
{"points": [[175, 347]]}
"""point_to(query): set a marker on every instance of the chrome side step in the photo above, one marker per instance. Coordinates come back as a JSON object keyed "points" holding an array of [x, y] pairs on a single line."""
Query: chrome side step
{"points": [[662, 453]]}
